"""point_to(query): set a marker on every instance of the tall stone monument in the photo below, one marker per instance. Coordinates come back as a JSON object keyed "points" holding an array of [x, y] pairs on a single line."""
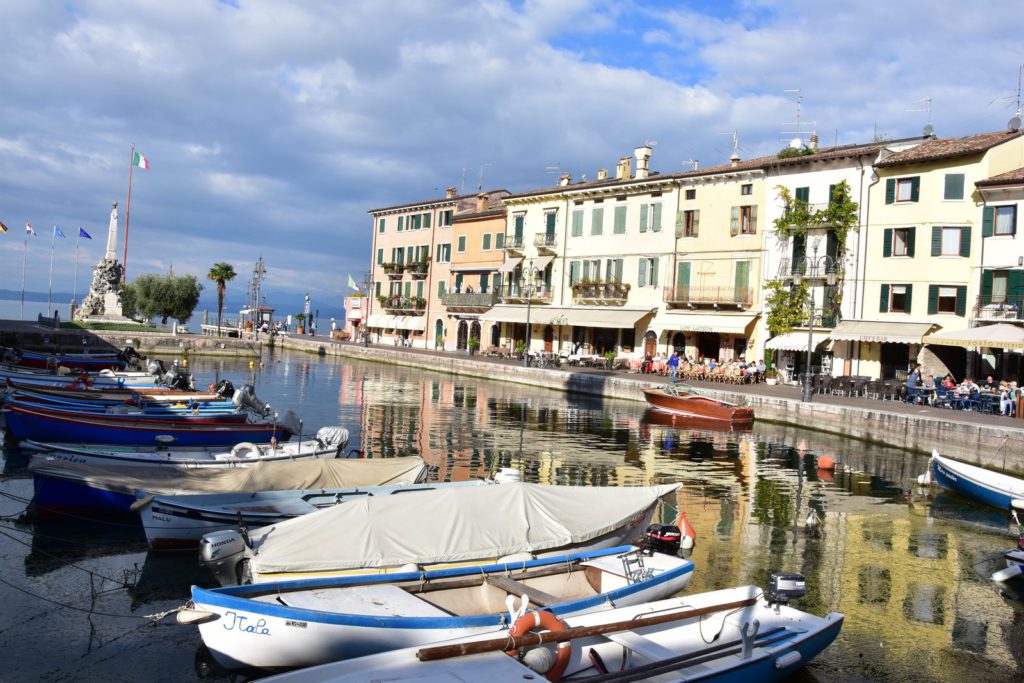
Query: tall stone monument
{"points": [[103, 302]]}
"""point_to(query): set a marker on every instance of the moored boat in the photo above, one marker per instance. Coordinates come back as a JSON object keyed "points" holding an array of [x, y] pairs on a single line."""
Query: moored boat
{"points": [[102, 360], [493, 522], [977, 483], [753, 639], [682, 399], [310, 621]]}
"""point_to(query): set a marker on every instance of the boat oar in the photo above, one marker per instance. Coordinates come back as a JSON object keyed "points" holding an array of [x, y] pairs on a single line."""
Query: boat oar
{"points": [[530, 639]]}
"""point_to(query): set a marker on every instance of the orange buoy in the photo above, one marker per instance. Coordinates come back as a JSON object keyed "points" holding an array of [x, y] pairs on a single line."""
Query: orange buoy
{"points": [[546, 620], [689, 536], [826, 462]]}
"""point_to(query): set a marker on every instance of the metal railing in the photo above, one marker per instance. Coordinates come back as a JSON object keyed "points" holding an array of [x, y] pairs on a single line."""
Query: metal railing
{"points": [[469, 299], [694, 296], [401, 304], [545, 241], [601, 291], [1005, 307], [514, 243], [517, 293], [807, 267]]}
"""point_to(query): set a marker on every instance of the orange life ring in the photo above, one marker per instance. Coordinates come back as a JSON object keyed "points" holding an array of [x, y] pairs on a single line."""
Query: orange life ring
{"points": [[546, 620]]}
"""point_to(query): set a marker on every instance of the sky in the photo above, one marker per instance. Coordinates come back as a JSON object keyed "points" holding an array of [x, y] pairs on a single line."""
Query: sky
{"points": [[273, 126]]}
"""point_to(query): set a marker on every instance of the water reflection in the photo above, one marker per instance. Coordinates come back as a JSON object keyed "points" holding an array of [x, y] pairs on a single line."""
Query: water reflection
{"points": [[909, 573]]}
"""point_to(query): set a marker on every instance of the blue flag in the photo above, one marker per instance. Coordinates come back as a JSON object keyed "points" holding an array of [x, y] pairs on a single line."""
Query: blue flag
{"points": [[57, 232], [83, 233]]}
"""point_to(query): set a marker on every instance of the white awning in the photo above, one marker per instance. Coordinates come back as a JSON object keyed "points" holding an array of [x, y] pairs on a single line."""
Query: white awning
{"points": [[510, 265], [541, 262], [887, 331], [355, 314], [795, 341], [998, 336], [473, 269], [579, 316], [410, 322], [385, 322], [706, 322]]}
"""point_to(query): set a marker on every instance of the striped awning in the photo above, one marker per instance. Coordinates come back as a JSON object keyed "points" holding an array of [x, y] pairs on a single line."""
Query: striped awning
{"points": [[796, 341], [510, 265], [398, 322], [579, 316], [884, 331]]}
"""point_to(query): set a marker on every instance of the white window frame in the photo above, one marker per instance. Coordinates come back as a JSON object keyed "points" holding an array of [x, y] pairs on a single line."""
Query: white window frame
{"points": [[1010, 209], [896, 232], [904, 186], [946, 292], [892, 298], [952, 236]]}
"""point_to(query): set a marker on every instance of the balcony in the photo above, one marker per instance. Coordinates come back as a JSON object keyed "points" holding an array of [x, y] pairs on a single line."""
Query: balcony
{"points": [[520, 295], [821, 269], [544, 242], [418, 269], [400, 305], [514, 243], [994, 308], [394, 270], [608, 293], [692, 297], [466, 301]]}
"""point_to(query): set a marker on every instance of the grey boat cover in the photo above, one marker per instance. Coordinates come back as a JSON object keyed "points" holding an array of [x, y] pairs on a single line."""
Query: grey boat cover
{"points": [[260, 476], [449, 525]]}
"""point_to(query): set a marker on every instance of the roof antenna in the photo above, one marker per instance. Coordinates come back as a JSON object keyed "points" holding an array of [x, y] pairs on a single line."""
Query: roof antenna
{"points": [[735, 142], [929, 129], [1014, 124], [462, 186], [480, 183], [555, 168], [694, 164], [797, 141]]}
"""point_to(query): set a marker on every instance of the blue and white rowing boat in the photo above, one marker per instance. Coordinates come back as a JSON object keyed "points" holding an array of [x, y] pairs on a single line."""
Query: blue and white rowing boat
{"points": [[312, 621], [992, 488]]}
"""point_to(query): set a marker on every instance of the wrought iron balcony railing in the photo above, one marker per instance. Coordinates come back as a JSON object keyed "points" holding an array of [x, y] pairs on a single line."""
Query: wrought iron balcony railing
{"points": [[709, 296], [999, 307], [469, 300]]}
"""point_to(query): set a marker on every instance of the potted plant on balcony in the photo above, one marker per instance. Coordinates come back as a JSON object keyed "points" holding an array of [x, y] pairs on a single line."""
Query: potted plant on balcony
{"points": [[473, 344], [300, 327]]}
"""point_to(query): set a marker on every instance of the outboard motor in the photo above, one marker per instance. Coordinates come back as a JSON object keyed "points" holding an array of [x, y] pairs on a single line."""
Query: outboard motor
{"points": [[661, 538], [155, 367], [223, 552], [176, 379], [130, 357], [224, 388], [11, 356], [333, 436], [784, 587], [290, 424], [246, 398]]}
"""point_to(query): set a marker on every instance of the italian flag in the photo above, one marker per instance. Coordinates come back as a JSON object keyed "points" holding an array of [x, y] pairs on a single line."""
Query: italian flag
{"points": [[140, 161]]}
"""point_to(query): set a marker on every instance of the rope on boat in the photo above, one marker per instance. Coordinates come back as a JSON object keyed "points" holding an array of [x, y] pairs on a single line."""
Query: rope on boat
{"points": [[67, 606], [159, 616], [119, 583]]}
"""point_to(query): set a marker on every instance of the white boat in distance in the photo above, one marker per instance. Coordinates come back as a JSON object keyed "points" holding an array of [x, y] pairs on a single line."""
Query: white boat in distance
{"points": [[174, 522], [298, 623], [435, 528], [724, 635]]}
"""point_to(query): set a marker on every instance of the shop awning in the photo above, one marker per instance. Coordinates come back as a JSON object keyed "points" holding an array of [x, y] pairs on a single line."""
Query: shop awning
{"points": [[892, 332], [795, 341], [380, 320], [474, 269], [541, 262], [705, 322], [355, 314], [998, 336], [410, 322], [510, 265], [578, 316]]}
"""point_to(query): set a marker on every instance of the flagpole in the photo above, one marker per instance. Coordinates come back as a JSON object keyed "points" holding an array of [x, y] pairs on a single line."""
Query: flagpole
{"points": [[24, 253], [49, 291], [127, 216], [77, 240]]}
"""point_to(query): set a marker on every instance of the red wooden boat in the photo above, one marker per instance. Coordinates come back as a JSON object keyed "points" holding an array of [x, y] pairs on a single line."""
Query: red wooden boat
{"points": [[681, 399]]}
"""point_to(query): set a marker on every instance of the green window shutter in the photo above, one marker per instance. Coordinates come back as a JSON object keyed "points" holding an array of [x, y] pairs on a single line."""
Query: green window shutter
{"points": [[802, 194], [518, 226], [961, 300], [915, 188], [620, 220], [890, 190], [440, 289], [408, 254], [499, 240], [933, 299], [753, 219], [682, 274], [487, 241], [415, 222], [376, 288], [1013, 222], [654, 272], [618, 270], [883, 304], [1015, 284], [679, 224], [656, 221], [597, 222], [574, 272], [419, 289], [696, 222], [742, 276], [643, 217], [401, 223], [987, 221], [380, 225], [887, 243], [549, 222], [831, 246], [936, 240], [965, 241], [426, 220], [380, 257], [734, 221], [986, 287], [586, 270], [642, 280], [911, 240], [408, 290], [954, 186], [910, 298], [832, 194], [799, 253], [577, 223]]}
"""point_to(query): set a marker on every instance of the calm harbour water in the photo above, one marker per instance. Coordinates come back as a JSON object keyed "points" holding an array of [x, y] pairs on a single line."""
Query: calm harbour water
{"points": [[909, 572]]}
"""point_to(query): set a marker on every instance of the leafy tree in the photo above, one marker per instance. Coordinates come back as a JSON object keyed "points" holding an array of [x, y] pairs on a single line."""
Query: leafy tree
{"points": [[787, 306], [163, 296], [221, 273]]}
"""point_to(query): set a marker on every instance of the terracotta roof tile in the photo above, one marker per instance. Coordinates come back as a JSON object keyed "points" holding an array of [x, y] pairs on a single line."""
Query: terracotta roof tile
{"points": [[946, 148], [1014, 177]]}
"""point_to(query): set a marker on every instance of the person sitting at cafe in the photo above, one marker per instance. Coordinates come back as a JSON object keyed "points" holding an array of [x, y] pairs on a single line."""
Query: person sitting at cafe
{"points": [[647, 367], [914, 393], [989, 385], [949, 382]]}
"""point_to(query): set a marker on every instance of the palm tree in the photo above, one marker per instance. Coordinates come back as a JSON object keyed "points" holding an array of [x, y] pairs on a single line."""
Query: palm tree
{"points": [[221, 273]]}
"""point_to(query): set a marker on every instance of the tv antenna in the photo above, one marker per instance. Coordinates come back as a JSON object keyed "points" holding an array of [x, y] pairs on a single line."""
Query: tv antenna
{"points": [[798, 126], [555, 168], [694, 164], [480, 181], [735, 141], [1014, 124], [924, 104], [650, 143], [462, 185]]}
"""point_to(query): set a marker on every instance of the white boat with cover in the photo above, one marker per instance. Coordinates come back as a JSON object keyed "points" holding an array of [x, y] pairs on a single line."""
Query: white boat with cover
{"points": [[737, 634], [435, 528], [298, 623]]}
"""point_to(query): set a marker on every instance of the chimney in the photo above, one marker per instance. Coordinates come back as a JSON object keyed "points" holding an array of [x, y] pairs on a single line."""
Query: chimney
{"points": [[734, 160], [623, 169], [449, 193], [564, 179], [813, 142], [481, 202], [602, 174], [643, 155]]}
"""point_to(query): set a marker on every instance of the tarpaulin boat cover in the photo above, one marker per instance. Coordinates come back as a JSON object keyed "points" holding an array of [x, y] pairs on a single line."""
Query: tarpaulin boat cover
{"points": [[261, 476], [449, 525]]}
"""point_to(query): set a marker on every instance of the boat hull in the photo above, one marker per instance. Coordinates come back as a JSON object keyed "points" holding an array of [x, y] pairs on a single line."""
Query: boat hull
{"points": [[693, 405], [247, 633], [977, 483]]}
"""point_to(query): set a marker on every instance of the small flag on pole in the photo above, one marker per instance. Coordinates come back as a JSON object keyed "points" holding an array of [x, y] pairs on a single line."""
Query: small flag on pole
{"points": [[83, 233], [3, 229], [352, 283], [29, 230], [57, 232], [140, 161]]}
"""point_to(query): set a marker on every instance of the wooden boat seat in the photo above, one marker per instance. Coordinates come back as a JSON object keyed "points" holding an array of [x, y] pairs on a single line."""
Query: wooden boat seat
{"points": [[537, 597], [642, 645], [383, 600]]}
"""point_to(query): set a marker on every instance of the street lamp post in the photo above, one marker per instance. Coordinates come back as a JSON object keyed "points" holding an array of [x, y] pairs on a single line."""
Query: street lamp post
{"points": [[815, 243], [367, 283], [528, 290]]}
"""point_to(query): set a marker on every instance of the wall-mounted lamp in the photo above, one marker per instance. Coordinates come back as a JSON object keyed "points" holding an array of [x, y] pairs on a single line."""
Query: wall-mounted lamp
{"points": [[797, 279], [1020, 260]]}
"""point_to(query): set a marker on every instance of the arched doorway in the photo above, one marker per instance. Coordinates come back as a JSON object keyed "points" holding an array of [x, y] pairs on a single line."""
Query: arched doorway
{"points": [[461, 336], [439, 334], [650, 343], [679, 343], [474, 331], [549, 339], [496, 334]]}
